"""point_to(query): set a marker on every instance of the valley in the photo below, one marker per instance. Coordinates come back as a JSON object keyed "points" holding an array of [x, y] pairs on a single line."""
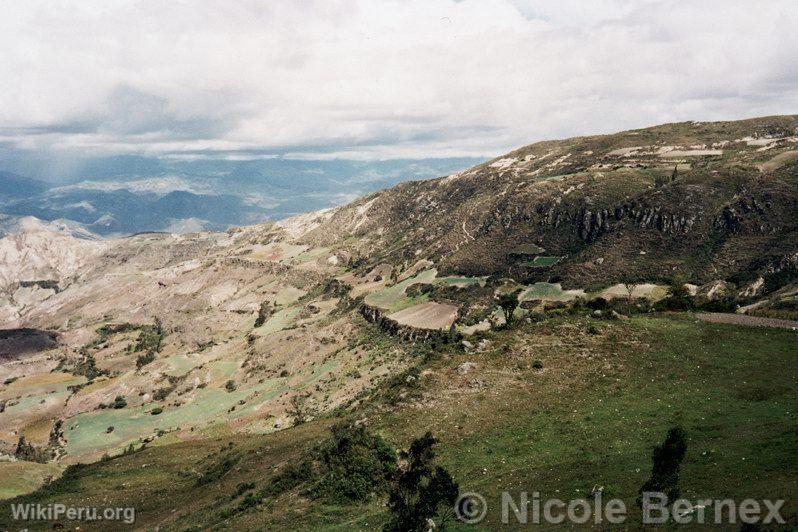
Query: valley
{"points": [[536, 313]]}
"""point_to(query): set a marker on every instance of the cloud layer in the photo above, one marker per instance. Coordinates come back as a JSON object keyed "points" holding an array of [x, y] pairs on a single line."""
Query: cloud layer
{"points": [[378, 79]]}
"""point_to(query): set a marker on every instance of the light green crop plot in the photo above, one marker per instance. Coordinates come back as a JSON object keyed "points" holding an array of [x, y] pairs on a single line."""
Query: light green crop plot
{"points": [[181, 364], [208, 406], [279, 320], [393, 298], [41, 383], [549, 292], [461, 282], [18, 478], [307, 256], [288, 295]]}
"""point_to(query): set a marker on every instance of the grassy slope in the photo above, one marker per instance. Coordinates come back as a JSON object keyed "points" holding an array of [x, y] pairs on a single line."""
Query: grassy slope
{"points": [[589, 417]]}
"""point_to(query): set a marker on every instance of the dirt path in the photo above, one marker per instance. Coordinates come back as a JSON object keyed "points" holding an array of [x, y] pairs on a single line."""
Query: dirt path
{"points": [[742, 319]]}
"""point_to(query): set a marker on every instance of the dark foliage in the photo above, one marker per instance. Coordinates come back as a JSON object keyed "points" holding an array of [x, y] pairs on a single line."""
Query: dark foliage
{"points": [[422, 491]]}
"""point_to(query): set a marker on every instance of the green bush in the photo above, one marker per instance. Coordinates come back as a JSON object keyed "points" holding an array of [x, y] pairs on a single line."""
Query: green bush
{"points": [[119, 402], [144, 359], [349, 466]]}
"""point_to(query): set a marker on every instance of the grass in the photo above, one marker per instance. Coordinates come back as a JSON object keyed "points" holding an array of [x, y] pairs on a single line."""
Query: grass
{"points": [[606, 394], [548, 292], [393, 298], [19, 478]]}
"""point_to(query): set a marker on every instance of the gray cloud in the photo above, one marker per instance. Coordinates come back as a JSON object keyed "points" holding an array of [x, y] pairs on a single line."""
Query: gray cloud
{"points": [[387, 78]]}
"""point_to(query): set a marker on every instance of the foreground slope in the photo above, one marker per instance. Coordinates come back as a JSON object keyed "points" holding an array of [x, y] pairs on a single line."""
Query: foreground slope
{"points": [[604, 393]]}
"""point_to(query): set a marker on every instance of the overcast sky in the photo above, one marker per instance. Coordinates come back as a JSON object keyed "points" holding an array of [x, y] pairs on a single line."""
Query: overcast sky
{"points": [[380, 79]]}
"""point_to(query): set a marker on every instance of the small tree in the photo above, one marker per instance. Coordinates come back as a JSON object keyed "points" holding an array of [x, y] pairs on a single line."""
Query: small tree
{"points": [[298, 411], [421, 491], [666, 460], [508, 303], [679, 297], [630, 292], [264, 312]]}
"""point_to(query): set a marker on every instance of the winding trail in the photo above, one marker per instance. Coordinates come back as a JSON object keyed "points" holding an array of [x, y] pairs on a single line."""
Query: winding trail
{"points": [[743, 319]]}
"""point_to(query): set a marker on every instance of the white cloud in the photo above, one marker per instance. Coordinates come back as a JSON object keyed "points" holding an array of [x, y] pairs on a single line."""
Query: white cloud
{"points": [[381, 78]]}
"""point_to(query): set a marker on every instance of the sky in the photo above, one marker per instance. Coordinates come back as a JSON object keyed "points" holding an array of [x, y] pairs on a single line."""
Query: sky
{"points": [[379, 79]]}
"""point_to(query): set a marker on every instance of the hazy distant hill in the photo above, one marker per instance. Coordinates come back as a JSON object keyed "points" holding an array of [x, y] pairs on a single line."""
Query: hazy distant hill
{"points": [[127, 194]]}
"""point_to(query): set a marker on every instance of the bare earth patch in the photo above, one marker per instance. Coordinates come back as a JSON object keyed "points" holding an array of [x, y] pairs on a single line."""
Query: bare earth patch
{"points": [[428, 315]]}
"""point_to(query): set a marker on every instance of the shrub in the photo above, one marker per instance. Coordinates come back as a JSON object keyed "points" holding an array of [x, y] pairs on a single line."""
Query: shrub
{"points": [[230, 385], [508, 303], [298, 411], [162, 393], [678, 298], [88, 368], [144, 359], [264, 312], [353, 463], [597, 304], [157, 410], [150, 337], [349, 466], [119, 402]]}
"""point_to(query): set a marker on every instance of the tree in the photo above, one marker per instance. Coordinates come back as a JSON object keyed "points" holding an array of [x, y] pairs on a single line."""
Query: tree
{"points": [[299, 412], [630, 292], [666, 460], [678, 298], [508, 303], [421, 491], [264, 312]]}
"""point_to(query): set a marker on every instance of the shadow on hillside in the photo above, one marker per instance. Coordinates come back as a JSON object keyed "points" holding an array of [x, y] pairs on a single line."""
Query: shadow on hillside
{"points": [[15, 343]]}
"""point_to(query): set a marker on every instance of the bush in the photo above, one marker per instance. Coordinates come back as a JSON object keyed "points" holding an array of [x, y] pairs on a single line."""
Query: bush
{"points": [[230, 385], [678, 298], [144, 359], [597, 304], [119, 402], [264, 312], [349, 466], [353, 464], [162, 393]]}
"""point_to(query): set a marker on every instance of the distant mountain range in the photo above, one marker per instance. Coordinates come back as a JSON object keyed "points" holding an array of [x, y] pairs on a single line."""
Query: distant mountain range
{"points": [[127, 195]]}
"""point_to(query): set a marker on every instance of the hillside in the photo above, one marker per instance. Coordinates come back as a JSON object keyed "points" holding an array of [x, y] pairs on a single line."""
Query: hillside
{"points": [[702, 200], [180, 344]]}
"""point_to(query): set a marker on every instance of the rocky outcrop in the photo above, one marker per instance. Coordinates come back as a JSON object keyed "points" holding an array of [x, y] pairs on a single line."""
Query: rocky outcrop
{"points": [[591, 222]]}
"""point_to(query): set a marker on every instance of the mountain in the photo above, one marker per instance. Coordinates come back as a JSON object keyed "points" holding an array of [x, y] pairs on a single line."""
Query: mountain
{"points": [[698, 200], [117, 196], [14, 186], [217, 358]]}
